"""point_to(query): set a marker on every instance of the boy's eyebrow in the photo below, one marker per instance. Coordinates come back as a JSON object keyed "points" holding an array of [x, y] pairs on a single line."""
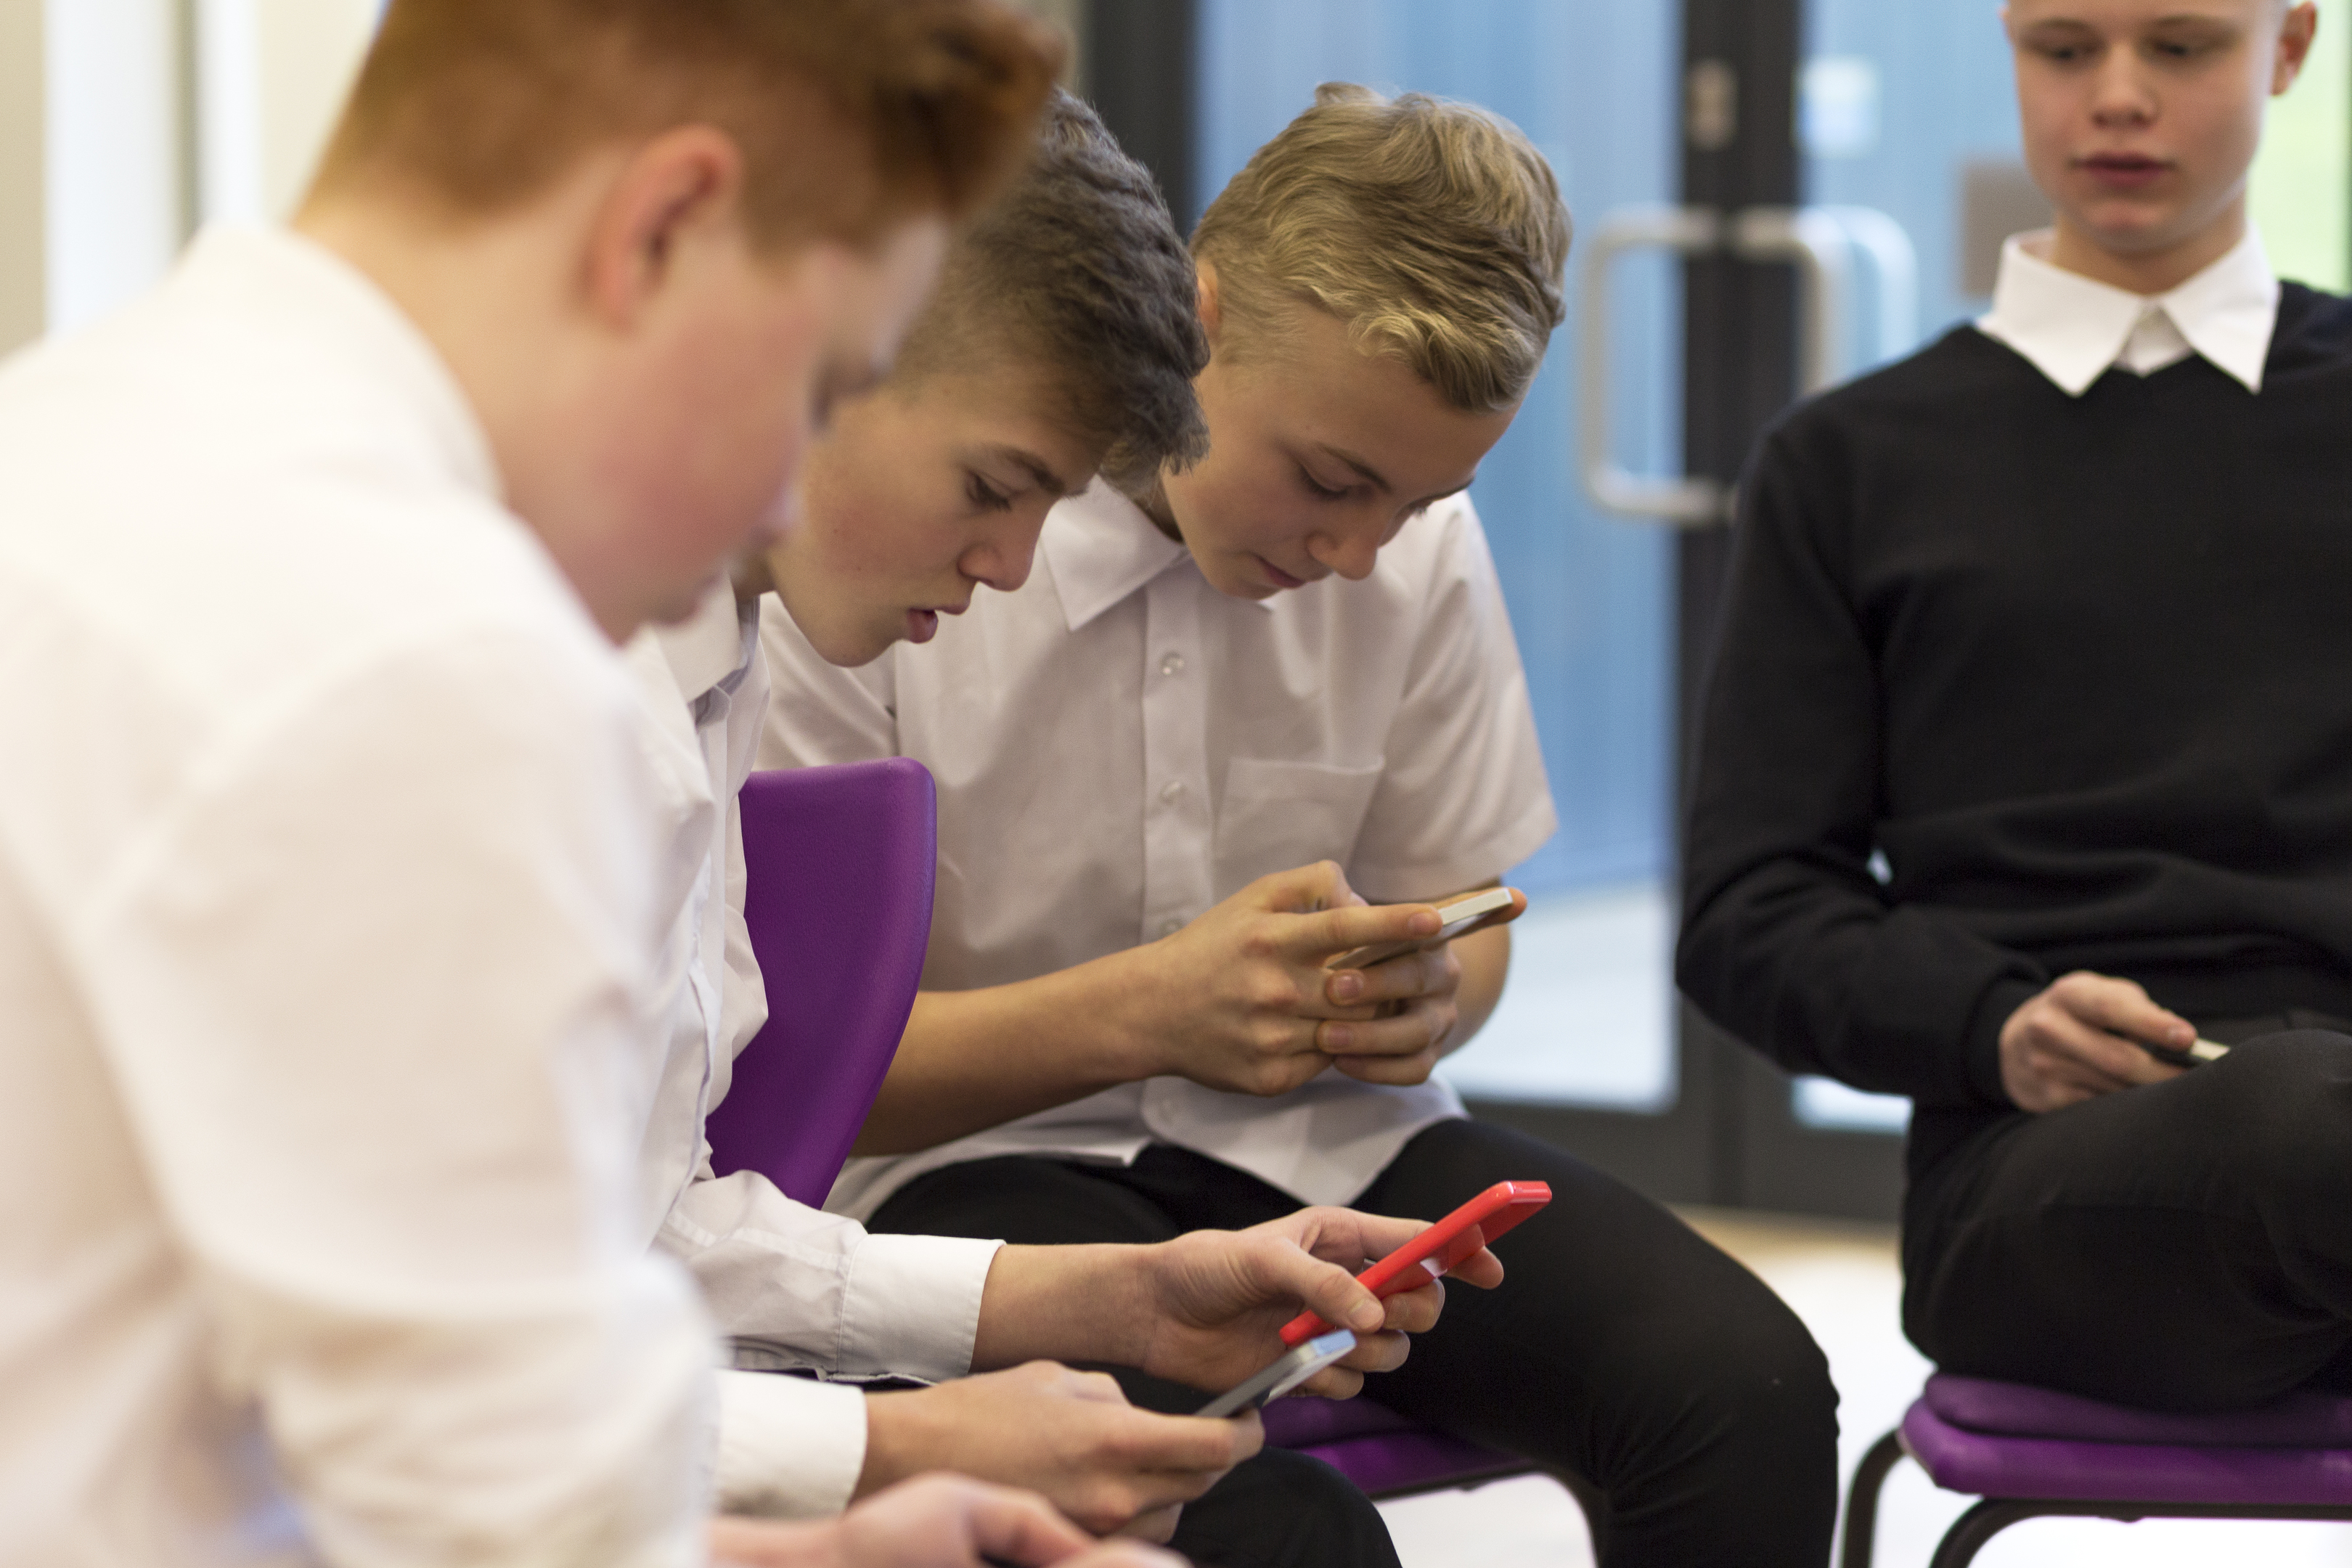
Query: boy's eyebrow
{"points": [[1039, 470], [2169, 19], [1370, 473]]}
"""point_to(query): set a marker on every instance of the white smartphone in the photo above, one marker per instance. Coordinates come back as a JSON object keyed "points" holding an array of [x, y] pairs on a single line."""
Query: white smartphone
{"points": [[1459, 918], [1286, 1373]]}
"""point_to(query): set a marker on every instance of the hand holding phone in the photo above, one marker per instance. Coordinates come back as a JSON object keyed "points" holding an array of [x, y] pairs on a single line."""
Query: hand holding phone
{"points": [[1488, 906], [1435, 1252]]}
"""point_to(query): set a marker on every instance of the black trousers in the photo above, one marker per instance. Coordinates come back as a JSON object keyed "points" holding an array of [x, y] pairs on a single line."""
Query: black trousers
{"points": [[1623, 1349], [2186, 1245]]}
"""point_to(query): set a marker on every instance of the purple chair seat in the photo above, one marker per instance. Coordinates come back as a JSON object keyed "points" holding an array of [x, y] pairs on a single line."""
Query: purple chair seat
{"points": [[2033, 1451], [1999, 1465], [2300, 1420], [1382, 1452]]}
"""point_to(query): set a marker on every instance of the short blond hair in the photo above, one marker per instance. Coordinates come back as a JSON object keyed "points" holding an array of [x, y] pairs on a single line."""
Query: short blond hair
{"points": [[1434, 229]]}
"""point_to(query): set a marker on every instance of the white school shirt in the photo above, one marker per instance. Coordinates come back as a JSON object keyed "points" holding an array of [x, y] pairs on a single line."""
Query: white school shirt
{"points": [[792, 1287], [1119, 746], [325, 902], [2073, 328]]}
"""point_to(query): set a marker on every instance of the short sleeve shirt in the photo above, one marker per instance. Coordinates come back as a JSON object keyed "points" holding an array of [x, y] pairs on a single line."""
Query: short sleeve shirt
{"points": [[1119, 746]]}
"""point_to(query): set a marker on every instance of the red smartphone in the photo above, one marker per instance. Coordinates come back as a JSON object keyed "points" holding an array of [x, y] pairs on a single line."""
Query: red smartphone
{"points": [[1434, 1252]]}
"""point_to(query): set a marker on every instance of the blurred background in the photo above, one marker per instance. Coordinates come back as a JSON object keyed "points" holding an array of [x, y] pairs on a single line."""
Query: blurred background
{"points": [[1769, 196]]}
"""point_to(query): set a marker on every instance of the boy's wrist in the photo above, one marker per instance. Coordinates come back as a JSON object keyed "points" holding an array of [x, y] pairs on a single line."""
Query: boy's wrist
{"points": [[1129, 1000], [1072, 1303]]}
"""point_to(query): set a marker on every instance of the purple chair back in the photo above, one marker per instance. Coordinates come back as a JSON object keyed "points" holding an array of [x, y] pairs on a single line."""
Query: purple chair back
{"points": [[839, 863]]}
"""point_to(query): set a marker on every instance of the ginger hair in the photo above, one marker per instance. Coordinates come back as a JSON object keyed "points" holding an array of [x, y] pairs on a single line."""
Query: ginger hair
{"points": [[852, 115]]}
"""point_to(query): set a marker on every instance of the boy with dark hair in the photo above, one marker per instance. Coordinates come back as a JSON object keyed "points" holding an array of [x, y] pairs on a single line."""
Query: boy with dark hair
{"points": [[325, 881], [2028, 754], [1170, 764]]}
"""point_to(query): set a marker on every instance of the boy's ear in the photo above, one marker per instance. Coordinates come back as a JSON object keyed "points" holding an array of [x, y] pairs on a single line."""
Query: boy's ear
{"points": [[1211, 316], [2295, 32], [684, 181]]}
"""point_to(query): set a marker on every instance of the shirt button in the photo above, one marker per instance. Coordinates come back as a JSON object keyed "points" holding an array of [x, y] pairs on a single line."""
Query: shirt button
{"points": [[1170, 927], [1172, 664], [1171, 791]]}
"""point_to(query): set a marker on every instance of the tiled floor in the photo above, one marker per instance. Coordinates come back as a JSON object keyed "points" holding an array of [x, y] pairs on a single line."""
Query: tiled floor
{"points": [[1843, 1280]]}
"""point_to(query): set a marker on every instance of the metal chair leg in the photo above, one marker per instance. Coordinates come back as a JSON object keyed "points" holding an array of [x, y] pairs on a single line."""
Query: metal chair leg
{"points": [[1971, 1532], [1862, 1501]]}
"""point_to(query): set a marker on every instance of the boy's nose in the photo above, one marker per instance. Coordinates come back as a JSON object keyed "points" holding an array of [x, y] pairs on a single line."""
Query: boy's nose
{"points": [[1351, 554], [2120, 94], [1003, 565]]}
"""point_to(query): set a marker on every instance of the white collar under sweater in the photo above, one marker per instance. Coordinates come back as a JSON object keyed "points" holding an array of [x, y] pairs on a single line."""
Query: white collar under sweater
{"points": [[2073, 328]]}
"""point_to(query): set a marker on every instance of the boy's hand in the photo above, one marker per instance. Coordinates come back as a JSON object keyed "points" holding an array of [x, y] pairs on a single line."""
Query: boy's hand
{"points": [[1415, 999], [1215, 1301], [1237, 1000], [938, 1521], [1070, 1436], [2074, 1041]]}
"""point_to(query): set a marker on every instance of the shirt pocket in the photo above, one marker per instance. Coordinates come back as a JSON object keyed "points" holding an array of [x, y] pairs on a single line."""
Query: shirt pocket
{"points": [[1278, 814]]}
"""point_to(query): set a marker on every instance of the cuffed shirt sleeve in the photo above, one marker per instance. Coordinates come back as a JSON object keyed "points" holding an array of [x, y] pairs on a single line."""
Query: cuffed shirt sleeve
{"points": [[801, 1289], [789, 1447]]}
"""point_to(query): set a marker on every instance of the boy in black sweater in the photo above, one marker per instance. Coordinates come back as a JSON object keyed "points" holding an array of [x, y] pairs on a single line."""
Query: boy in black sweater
{"points": [[2027, 758]]}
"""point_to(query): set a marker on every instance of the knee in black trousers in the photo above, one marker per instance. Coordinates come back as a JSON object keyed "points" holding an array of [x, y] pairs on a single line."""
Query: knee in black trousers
{"points": [[2280, 1111], [2185, 1244], [1627, 1350]]}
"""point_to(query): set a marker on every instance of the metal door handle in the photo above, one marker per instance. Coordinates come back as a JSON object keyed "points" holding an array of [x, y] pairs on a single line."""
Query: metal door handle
{"points": [[1816, 243], [1872, 233], [1687, 501], [1819, 241]]}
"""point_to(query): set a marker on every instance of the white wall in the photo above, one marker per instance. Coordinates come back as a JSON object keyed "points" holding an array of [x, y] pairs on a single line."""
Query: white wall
{"points": [[271, 75], [116, 206], [105, 164], [24, 262]]}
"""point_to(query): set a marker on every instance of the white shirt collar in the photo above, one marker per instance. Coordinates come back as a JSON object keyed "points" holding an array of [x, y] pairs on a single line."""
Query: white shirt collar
{"points": [[1100, 548], [713, 644], [2073, 328]]}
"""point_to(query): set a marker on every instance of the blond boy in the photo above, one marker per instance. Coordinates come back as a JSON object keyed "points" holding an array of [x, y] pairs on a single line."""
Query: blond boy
{"points": [[2026, 764]]}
